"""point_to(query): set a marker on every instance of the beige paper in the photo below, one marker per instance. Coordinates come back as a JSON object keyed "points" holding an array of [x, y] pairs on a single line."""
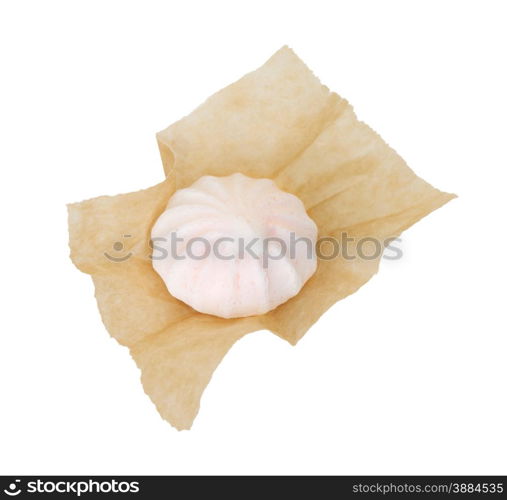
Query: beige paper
{"points": [[277, 122]]}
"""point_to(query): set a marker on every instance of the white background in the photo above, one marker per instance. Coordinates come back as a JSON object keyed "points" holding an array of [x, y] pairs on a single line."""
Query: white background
{"points": [[406, 376]]}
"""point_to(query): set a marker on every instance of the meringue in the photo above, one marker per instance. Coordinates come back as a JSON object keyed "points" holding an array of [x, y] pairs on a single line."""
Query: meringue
{"points": [[234, 246]]}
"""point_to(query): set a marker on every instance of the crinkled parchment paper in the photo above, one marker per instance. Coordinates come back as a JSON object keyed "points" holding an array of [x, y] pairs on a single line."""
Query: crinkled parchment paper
{"points": [[278, 122]]}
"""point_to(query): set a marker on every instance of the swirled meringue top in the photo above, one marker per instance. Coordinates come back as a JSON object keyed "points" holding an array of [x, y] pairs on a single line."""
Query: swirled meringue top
{"points": [[234, 246]]}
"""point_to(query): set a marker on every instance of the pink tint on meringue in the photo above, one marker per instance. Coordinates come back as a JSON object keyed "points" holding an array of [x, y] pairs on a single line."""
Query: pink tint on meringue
{"points": [[223, 239]]}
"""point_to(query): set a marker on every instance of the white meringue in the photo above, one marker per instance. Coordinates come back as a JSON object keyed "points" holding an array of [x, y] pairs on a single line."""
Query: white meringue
{"points": [[234, 246]]}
